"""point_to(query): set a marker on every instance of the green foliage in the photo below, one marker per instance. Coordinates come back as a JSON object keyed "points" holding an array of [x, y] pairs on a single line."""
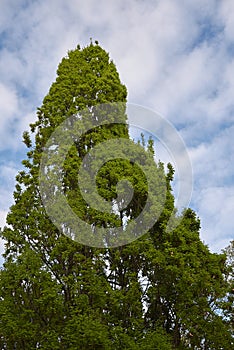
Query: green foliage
{"points": [[164, 291], [157, 340]]}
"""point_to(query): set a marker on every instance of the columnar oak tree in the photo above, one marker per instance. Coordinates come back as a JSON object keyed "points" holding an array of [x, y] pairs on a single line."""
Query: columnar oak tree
{"points": [[163, 291]]}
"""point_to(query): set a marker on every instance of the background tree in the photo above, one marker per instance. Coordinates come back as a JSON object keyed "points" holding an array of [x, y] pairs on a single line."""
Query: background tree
{"points": [[227, 304]]}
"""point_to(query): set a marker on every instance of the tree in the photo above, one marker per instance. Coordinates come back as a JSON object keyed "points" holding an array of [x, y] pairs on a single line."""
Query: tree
{"points": [[164, 290], [76, 272], [227, 304], [186, 286]]}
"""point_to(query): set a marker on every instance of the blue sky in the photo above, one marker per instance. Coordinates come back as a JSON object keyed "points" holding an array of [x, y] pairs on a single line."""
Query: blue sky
{"points": [[175, 57]]}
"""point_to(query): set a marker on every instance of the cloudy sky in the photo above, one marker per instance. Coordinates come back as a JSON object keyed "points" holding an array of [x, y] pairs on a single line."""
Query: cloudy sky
{"points": [[176, 57]]}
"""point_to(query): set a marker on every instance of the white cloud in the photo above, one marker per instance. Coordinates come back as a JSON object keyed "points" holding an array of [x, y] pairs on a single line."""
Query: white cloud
{"points": [[227, 16], [9, 101], [8, 108], [216, 209], [14, 119], [213, 190], [213, 161], [9, 9], [7, 182]]}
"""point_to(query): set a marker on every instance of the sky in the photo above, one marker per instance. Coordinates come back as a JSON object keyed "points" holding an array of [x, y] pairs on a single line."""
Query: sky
{"points": [[176, 57]]}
